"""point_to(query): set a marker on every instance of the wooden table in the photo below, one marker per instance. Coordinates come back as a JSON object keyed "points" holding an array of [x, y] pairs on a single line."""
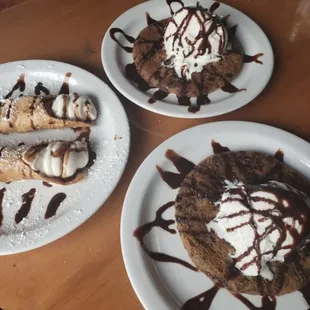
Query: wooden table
{"points": [[85, 268]]}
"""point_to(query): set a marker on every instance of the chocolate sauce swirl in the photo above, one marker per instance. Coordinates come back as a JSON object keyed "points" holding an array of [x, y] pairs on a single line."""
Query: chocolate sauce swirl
{"points": [[130, 39], [143, 230], [183, 165], [254, 58]]}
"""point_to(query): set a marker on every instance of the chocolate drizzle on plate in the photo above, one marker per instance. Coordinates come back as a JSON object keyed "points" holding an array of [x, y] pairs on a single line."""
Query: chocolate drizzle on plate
{"points": [[218, 148], [230, 88], [305, 291], [268, 303], [214, 7], [54, 204], [40, 88], [64, 89], [130, 39], [143, 230], [202, 301], [149, 21], [27, 199], [133, 75], [20, 85], [169, 2], [279, 155], [254, 58], [2, 191], [183, 165], [158, 95], [47, 184]]}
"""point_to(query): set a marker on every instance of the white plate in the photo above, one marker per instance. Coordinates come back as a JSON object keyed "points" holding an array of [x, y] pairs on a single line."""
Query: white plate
{"points": [[167, 285], [109, 138], [254, 77]]}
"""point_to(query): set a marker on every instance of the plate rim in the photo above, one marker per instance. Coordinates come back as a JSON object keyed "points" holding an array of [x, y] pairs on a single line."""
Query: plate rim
{"points": [[149, 295], [126, 144], [178, 111]]}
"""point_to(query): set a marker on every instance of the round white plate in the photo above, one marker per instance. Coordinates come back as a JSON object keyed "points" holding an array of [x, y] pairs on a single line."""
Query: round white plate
{"points": [[110, 139], [254, 77], [168, 285]]}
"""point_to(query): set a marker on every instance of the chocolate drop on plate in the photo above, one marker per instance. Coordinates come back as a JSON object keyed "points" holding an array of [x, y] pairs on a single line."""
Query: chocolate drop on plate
{"points": [[20, 84], [47, 184], [279, 155], [40, 88], [2, 191], [149, 19], [183, 165], [254, 58], [134, 76], [158, 95], [64, 89], [214, 7], [268, 303], [202, 301], [54, 204], [218, 148], [159, 221], [130, 39], [229, 88], [27, 199]]}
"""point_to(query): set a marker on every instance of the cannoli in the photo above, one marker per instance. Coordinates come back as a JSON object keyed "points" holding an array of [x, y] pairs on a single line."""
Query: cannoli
{"points": [[30, 113], [60, 162]]}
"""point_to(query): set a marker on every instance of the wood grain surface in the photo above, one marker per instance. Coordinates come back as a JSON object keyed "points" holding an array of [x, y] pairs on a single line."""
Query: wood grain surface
{"points": [[84, 270]]}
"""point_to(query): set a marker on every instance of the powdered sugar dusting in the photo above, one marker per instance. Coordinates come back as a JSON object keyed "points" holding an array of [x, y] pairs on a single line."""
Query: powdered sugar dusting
{"points": [[83, 198]]}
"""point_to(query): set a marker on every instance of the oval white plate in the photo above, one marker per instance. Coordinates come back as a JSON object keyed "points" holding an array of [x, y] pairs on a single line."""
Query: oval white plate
{"points": [[167, 285], [254, 77], [109, 138]]}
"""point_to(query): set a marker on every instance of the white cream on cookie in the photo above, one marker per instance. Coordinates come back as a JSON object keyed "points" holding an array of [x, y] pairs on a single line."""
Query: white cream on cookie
{"points": [[262, 223]]}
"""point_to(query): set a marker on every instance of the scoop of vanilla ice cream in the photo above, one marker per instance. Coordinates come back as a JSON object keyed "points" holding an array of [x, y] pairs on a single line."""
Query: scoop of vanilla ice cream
{"points": [[193, 38], [261, 223]]}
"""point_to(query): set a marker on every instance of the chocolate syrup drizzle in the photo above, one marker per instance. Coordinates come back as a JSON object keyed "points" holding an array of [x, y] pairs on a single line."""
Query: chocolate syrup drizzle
{"points": [[218, 148], [279, 155], [254, 58], [2, 191], [47, 184], [64, 89], [133, 75], [20, 85], [27, 199], [203, 301], [143, 230], [183, 165], [40, 88], [54, 204]]}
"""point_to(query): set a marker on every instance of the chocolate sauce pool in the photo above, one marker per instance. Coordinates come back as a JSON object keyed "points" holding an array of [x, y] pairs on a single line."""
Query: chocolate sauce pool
{"points": [[40, 88], [133, 74]]}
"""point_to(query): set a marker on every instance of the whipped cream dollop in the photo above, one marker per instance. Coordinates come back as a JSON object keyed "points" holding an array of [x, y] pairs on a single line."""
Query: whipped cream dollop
{"points": [[193, 38], [74, 107], [57, 159], [263, 223]]}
